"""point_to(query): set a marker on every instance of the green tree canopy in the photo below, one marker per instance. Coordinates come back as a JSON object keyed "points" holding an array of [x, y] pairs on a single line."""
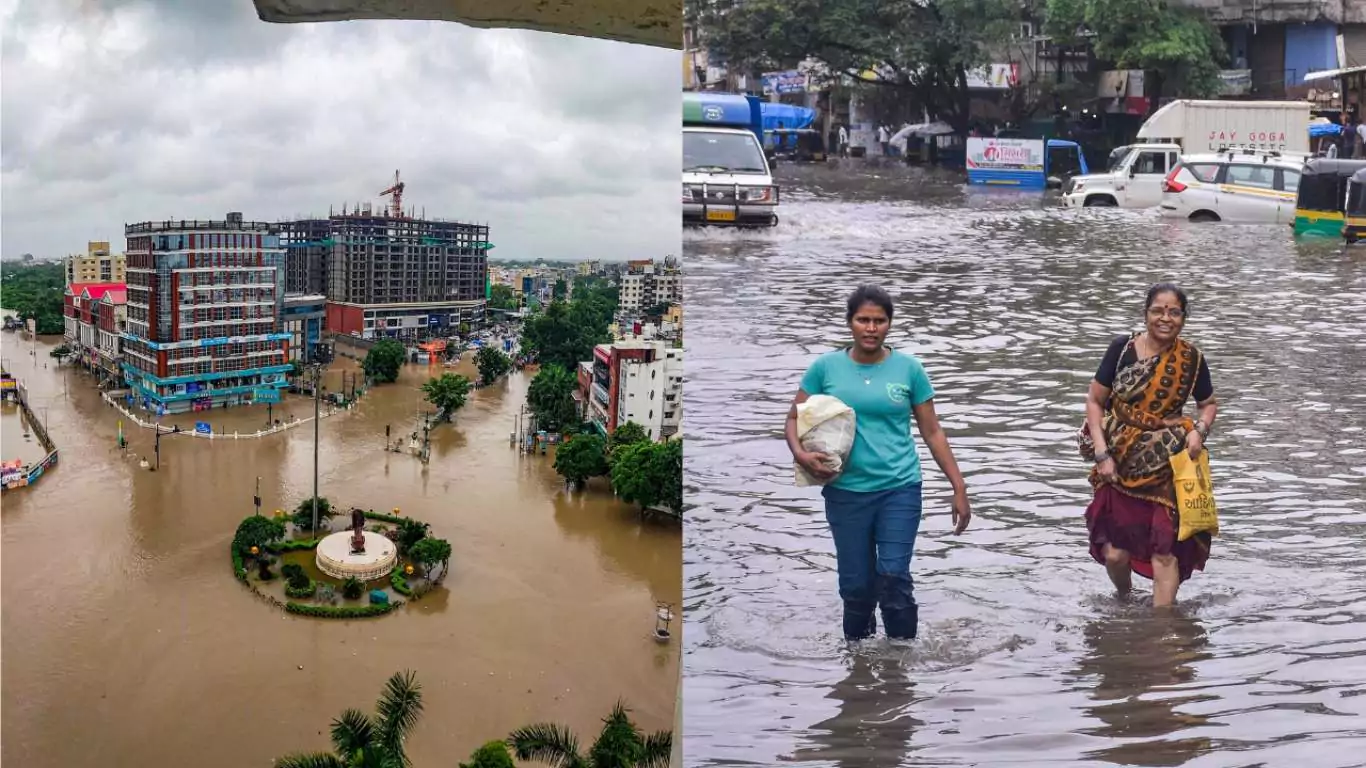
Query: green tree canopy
{"points": [[448, 392], [1177, 47], [626, 434], [925, 48], [384, 361], [650, 474], [551, 398], [35, 292], [257, 531], [503, 297], [431, 551], [492, 363], [620, 744], [303, 514], [560, 291], [583, 457], [362, 741], [492, 755]]}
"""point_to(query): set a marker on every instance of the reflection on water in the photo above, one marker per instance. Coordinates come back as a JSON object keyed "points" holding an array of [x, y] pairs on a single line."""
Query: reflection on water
{"points": [[121, 616], [1025, 658]]}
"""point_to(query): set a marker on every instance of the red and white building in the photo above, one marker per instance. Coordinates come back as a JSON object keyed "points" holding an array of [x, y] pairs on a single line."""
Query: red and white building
{"points": [[96, 315], [640, 381]]}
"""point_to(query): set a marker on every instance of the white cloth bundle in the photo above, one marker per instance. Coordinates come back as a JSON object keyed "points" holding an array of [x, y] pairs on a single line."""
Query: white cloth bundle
{"points": [[825, 425]]}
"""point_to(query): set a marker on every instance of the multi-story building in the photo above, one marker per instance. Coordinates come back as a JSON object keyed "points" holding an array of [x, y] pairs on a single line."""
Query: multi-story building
{"points": [[111, 321], [646, 284], [640, 381], [302, 319], [391, 276], [204, 306], [81, 311], [97, 265]]}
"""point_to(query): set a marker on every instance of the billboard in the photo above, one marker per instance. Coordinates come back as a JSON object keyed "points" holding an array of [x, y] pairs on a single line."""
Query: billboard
{"points": [[1006, 162]]}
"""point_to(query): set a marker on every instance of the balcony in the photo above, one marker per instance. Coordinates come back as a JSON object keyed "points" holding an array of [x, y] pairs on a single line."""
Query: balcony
{"points": [[600, 393]]}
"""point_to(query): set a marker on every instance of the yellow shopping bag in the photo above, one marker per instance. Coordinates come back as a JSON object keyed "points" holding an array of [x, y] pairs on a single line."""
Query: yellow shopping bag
{"points": [[1194, 495]]}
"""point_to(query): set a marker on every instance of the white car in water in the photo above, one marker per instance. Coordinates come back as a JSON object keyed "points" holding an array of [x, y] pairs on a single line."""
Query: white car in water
{"points": [[1238, 186]]}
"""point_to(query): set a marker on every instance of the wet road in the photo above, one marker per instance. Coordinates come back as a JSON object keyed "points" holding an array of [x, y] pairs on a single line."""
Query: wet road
{"points": [[128, 642], [1025, 657]]}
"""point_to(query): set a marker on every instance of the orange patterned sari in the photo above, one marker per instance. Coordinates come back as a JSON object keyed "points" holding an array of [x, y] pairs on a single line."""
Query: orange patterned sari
{"points": [[1144, 425]]}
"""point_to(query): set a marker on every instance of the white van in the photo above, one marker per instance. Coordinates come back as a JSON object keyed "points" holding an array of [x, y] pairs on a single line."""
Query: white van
{"points": [[726, 176]]}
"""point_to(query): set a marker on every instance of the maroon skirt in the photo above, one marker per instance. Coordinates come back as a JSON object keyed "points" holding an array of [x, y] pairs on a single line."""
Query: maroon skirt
{"points": [[1143, 529]]}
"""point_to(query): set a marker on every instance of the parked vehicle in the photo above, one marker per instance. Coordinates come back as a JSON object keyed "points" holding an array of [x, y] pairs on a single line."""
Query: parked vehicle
{"points": [[1243, 186], [1187, 127], [1321, 201], [1022, 163], [1354, 213], [803, 145], [726, 176]]}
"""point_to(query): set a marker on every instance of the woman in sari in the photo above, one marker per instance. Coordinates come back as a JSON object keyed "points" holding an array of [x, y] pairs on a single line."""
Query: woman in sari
{"points": [[1134, 425]]}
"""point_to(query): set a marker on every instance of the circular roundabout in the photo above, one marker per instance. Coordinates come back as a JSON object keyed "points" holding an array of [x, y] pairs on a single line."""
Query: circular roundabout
{"points": [[338, 558]]}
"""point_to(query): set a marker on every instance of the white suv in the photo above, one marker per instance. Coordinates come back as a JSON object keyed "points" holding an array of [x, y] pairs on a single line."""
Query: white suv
{"points": [[1239, 186]]}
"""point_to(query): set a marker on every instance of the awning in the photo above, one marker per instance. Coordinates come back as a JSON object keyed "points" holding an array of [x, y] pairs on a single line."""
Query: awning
{"points": [[647, 22], [1332, 73]]}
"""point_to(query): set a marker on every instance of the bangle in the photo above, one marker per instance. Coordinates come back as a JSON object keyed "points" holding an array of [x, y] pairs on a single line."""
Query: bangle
{"points": [[1203, 429], [1102, 456]]}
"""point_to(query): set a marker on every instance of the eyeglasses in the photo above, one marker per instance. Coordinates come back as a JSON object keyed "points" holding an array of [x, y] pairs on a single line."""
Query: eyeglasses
{"points": [[1175, 313]]}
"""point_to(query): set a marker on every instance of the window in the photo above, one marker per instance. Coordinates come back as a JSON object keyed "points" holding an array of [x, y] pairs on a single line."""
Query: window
{"points": [[1150, 163], [1290, 180], [1260, 176], [1206, 172]]}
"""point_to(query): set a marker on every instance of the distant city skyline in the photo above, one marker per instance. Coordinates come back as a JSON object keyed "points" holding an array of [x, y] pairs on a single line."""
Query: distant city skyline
{"points": [[143, 111]]}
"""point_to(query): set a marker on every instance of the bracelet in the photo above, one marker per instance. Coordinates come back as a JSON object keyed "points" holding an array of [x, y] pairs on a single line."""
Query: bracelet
{"points": [[1203, 429], [1102, 456]]}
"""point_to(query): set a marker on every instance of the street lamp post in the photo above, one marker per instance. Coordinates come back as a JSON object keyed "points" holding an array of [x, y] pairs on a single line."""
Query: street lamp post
{"points": [[317, 406]]}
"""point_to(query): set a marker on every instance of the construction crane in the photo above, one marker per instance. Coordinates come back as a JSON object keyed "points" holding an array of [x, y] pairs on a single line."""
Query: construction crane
{"points": [[395, 205]]}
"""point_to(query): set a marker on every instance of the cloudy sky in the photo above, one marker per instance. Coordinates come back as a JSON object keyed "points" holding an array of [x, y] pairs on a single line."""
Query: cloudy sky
{"points": [[115, 111]]}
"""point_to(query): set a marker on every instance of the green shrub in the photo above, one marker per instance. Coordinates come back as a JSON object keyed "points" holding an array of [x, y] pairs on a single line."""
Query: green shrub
{"points": [[307, 589], [342, 611], [294, 545], [239, 566], [264, 573], [292, 571], [395, 519], [399, 582], [352, 588], [492, 755]]}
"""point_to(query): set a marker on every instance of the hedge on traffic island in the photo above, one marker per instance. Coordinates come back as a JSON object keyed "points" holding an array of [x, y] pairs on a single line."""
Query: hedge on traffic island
{"points": [[261, 535]]}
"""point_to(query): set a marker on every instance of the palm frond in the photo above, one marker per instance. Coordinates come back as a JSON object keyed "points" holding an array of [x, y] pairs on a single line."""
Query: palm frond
{"points": [[399, 709], [657, 751], [352, 732], [554, 745], [316, 760]]}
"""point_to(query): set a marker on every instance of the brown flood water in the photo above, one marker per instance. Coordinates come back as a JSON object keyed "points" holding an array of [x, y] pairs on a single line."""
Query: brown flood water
{"points": [[126, 640]]}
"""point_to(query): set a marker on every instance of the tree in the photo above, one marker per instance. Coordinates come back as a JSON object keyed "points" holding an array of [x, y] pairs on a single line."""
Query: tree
{"points": [[428, 552], [551, 398], [923, 49], [650, 474], [35, 293], [409, 533], [503, 297], [559, 291], [492, 363], [492, 755], [447, 392], [583, 457], [365, 741], [1172, 44], [620, 744], [257, 531], [303, 514], [626, 434], [384, 361]]}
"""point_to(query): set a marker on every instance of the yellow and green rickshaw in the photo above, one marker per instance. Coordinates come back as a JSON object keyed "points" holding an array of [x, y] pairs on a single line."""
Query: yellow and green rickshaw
{"points": [[1354, 211], [1322, 197]]}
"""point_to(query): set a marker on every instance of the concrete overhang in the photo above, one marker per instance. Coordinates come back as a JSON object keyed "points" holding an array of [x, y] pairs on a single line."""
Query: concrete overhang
{"points": [[646, 22]]}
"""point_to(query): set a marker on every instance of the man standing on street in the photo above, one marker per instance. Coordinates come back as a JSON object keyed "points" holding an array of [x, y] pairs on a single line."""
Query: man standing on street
{"points": [[884, 138], [844, 141]]}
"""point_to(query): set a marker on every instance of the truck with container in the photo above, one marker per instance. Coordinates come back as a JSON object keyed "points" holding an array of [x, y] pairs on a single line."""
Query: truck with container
{"points": [[727, 180], [1137, 171]]}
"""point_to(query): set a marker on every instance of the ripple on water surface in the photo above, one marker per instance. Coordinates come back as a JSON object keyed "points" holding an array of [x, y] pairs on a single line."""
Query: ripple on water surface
{"points": [[1024, 656]]}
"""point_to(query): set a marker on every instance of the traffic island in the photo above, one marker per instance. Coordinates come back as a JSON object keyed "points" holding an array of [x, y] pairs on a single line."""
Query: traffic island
{"points": [[332, 575]]}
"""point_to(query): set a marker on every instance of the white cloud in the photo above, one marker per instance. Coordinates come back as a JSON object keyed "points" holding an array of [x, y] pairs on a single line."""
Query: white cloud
{"points": [[567, 147]]}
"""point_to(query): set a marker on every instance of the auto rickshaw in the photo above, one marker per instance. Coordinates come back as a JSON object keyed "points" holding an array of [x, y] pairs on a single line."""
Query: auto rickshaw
{"points": [[1354, 211], [1321, 200], [802, 145]]}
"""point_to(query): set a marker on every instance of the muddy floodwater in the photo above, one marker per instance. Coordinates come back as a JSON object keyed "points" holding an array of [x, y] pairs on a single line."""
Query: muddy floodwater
{"points": [[128, 642], [1025, 658]]}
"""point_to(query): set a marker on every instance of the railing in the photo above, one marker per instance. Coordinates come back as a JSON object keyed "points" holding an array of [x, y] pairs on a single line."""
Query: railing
{"points": [[284, 426], [196, 224]]}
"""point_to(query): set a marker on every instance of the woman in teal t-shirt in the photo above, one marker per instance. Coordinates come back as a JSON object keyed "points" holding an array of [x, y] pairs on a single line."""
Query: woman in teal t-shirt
{"points": [[873, 507]]}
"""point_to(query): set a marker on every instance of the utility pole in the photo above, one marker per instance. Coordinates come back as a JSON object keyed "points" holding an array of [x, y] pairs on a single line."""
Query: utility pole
{"points": [[256, 498], [317, 406]]}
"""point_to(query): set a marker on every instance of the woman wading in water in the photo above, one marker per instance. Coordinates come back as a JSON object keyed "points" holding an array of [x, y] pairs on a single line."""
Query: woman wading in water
{"points": [[873, 507], [1134, 425]]}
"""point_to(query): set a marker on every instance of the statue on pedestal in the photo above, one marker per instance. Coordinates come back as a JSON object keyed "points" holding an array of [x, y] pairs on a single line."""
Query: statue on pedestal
{"points": [[357, 525]]}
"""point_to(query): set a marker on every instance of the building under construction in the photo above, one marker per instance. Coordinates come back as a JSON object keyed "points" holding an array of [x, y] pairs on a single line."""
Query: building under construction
{"points": [[388, 273]]}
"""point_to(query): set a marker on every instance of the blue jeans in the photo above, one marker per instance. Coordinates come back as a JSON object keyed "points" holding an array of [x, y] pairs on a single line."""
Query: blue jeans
{"points": [[874, 536]]}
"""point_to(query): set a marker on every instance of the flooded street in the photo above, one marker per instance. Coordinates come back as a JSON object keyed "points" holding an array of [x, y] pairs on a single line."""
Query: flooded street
{"points": [[128, 642], [1024, 655]]}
